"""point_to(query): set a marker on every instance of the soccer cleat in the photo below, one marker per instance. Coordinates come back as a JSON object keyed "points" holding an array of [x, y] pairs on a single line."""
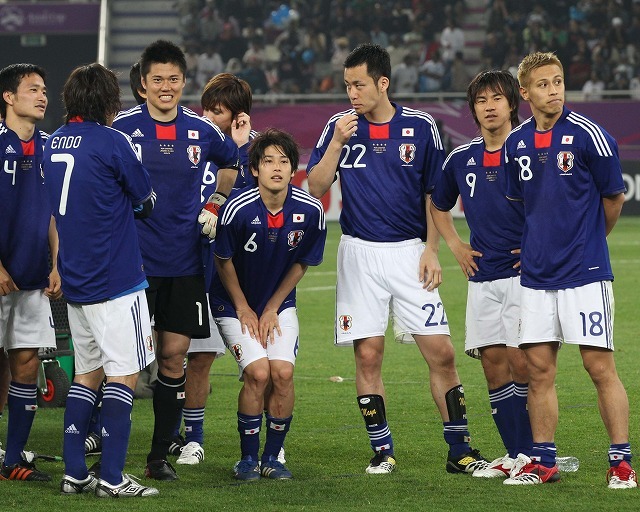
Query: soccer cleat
{"points": [[70, 485], [175, 448], [246, 469], [192, 453], [281, 458], [93, 444], [532, 474], [622, 476], [160, 470], [518, 463], [381, 463], [23, 470], [466, 463], [129, 488], [499, 468], [94, 470], [275, 469], [2, 452]]}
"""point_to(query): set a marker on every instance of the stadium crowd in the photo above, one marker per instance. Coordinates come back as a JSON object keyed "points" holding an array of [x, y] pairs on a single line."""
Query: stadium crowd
{"points": [[299, 47]]}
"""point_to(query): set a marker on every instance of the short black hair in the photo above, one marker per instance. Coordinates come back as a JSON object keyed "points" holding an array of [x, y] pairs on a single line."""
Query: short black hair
{"points": [[274, 137], [91, 92], [374, 56], [135, 83], [502, 82], [162, 52], [10, 78]]}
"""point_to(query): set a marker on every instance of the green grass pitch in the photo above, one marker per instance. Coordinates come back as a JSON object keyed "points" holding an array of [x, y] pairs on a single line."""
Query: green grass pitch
{"points": [[327, 448]]}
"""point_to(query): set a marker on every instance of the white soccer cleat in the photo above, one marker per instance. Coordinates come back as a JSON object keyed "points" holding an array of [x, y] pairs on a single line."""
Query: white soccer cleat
{"points": [[191, 453], [281, 458], [380, 464], [499, 468], [129, 488]]}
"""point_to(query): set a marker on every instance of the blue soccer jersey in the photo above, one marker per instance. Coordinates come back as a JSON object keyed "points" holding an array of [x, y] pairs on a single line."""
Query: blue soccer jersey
{"points": [[24, 210], [265, 246], [562, 175], [385, 171], [94, 179], [478, 177], [175, 154]]}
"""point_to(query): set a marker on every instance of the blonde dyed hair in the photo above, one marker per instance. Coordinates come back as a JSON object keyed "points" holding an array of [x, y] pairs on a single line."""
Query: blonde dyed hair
{"points": [[534, 61]]}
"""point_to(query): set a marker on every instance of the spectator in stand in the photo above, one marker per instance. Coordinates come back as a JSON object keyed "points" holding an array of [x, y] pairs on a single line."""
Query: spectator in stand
{"points": [[493, 53], [404, 77], [230, 44], [255, 52], [254, 75], [431, 74], [592, 88], [459, 74], [378, 36], [451, 41], [209, 64]]}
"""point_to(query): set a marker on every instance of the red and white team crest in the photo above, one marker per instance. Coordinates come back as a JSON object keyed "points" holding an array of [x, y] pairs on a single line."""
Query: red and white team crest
{"points": [[565, 161], [194, 153], [345, 322], [295, 237], [149, 343], [237, 351], [407, 152]]}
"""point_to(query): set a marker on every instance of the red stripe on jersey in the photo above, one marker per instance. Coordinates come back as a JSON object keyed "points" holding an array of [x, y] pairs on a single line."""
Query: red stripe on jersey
{"points": [[28, 148], [543, 140], [275, 221], [166, 132], [491, 159], [379, 131]]}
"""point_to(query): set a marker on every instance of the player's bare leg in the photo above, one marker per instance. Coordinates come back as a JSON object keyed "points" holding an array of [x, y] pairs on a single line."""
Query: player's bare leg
{"points": [[543, 400], [448, 394]]}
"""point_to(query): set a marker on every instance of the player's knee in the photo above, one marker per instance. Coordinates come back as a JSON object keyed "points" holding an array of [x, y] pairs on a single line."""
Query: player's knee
{"points": [[282, 375], [200, 363], [24, 365], [257, 375]]}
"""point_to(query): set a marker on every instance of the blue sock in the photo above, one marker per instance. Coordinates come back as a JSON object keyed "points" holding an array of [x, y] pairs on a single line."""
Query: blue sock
{"points": [[249, 429], [194, 425], [456, 434], [618, 453], [117, 403], [544, 453], [277, 429], [77, 417], [94, 424], [176, 432], [380, 438], [22, 404], [524, 436], [502, 411]]}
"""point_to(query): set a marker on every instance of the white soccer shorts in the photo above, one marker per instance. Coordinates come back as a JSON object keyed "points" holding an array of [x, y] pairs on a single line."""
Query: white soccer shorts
{"points": [[26, 320], [213, 343], [493, 314], [377, 280], [115, 334], [246, 350], [578, 316]]}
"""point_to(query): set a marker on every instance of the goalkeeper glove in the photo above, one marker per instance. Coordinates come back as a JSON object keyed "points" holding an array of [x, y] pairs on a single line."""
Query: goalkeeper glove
{"points": [[209, 214]]}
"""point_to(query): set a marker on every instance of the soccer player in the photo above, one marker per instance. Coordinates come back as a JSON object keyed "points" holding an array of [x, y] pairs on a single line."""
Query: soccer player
{"points": [[175, 143], [96, 183], [475, 172], [566, 170], [281, 228], [226, 101], [28, 234], [388, 157]]}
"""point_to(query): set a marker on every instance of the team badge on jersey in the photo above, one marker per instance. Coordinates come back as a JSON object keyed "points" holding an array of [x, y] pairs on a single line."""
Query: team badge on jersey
{"points": [[298, 217], [193, 134], [345, 322], [565, 161], [150, 343], [237, 351], [407, 152], [295, 237], [194, 153]]}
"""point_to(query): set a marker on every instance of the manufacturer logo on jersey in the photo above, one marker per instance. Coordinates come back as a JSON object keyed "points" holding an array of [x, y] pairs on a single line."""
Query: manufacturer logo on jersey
{"points": [[345, 322], [298, 217], [407, 132], [194, 153], [407, 152], [137, 133], [565, 161], [256, 221], [471, 161], [193, 134], [295, 237], [521, 145], [567, 139], [237, 351], [71, 429], [104, 432], [9, 150]]}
